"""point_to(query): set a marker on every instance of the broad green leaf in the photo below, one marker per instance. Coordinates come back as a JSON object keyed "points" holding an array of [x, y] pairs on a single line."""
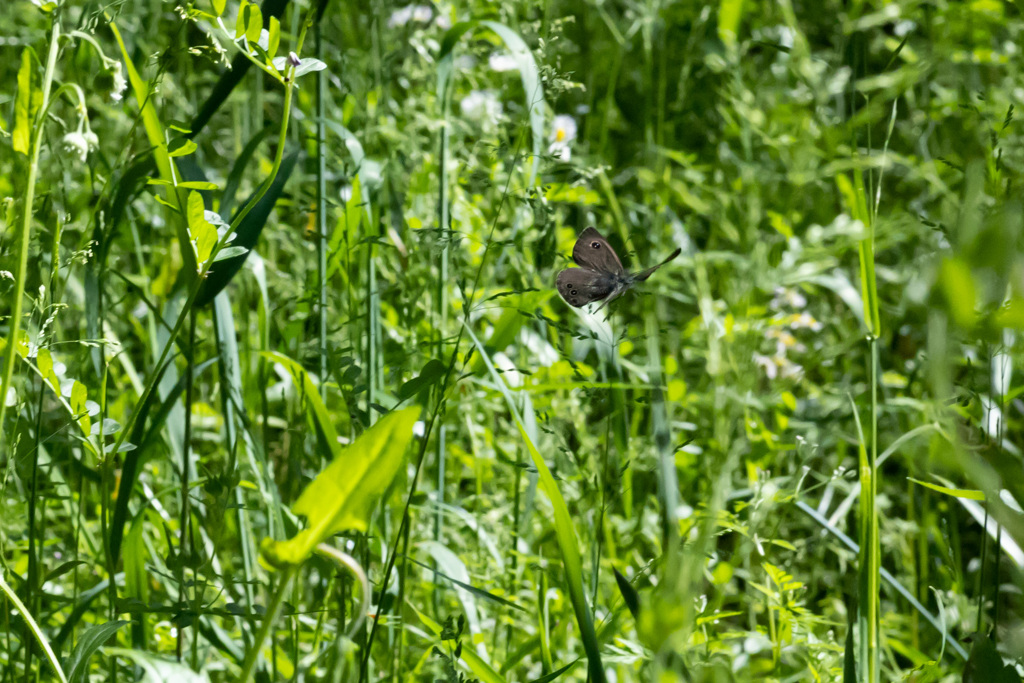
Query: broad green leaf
{"points": [[218, 6], [342, 496], [22, 135], [90, 641]]}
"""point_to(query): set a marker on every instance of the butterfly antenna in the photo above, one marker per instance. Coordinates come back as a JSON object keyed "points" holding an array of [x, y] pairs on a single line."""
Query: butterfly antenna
{"points": [[644, 274]]}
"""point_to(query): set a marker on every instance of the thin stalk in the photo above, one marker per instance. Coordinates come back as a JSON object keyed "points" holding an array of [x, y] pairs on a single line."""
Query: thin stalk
{"points": [[24, 229], [184, 553], [33, 552], [321, 208], [253, 655], [441, 315]]}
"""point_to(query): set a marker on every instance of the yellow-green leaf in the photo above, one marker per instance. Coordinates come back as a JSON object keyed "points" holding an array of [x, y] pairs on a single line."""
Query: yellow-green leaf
{"points": [[958, 286], [79, 394], [343, 494], [274, 37], [969, 494], [22, 134], [729, 14], [253, 24]]}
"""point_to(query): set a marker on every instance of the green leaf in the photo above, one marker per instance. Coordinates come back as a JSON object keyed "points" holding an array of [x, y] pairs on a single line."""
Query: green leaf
{"points": [[184, 148], [90, 641], [21, 137], [197, 185], [37, 632], [985, 665], [327, 435], [274, 37], [253, 23], [230, 252], [730, 12], [960, 291], [157, 136], [240, 21], [218, 6], [157, 669], [343, 494], [629, 594], [247, 233], [969, 494], [479, 592], [200, 231], [429, 375], [79, 394], [481, 669], [554, 675], [44, 361]]}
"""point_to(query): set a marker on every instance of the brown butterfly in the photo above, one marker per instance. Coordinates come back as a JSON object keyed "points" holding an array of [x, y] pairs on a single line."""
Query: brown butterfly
{"points": [[600, 276]]}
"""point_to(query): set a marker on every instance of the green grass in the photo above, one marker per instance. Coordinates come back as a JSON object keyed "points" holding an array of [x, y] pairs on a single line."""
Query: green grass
{"points": [[290, 394]]}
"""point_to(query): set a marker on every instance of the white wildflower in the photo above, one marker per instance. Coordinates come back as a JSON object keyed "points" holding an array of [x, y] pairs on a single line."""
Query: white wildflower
{"points": [[787, 296], [563, 132], [502, 61], [482, 106]]}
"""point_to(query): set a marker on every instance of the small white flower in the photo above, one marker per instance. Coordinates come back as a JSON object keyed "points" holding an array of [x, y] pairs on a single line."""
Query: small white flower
{"points": [[787, 296], [563, 132], [502, 61], [443, 22], [806, 321], [76, 145], [400, 17], [345, 193], [481, 105], [120, 84], [422, 13], [771, 370]]}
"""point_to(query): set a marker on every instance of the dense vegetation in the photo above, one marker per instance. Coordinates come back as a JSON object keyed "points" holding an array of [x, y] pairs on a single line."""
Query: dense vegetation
{"points": [[290, 394]]}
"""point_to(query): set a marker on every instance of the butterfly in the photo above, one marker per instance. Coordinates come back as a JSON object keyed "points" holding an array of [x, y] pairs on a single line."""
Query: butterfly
{"points": [[600, 276]]}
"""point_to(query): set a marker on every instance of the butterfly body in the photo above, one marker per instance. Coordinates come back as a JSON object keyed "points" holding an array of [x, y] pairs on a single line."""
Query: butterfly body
{"points": [[600, 276]]}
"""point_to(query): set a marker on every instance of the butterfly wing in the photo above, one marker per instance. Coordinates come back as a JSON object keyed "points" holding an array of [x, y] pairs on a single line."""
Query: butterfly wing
{"points": [[592, 251], [580, 286]]}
